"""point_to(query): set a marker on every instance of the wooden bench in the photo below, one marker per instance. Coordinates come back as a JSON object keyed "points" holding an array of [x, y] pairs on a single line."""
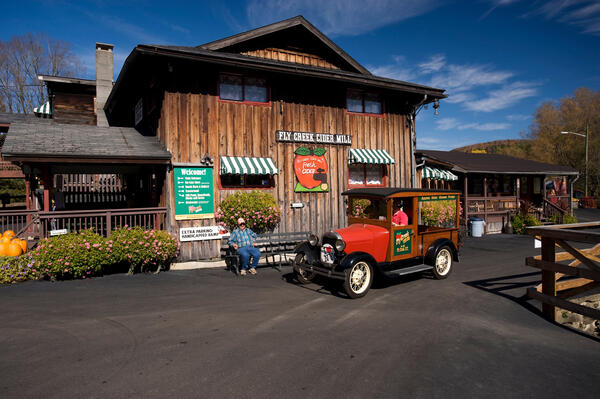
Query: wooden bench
{"points": [[270, 245]]}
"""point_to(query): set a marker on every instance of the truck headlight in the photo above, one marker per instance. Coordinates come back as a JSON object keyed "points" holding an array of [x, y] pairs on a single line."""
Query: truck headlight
{"points": [[313, 240], [340, 245]]}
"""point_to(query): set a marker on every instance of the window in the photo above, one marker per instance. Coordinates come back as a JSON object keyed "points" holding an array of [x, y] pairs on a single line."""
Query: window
{"points": [[367, 208], [366, 175], [243, 89], [247, 181], [438, 211], [364, 103]]}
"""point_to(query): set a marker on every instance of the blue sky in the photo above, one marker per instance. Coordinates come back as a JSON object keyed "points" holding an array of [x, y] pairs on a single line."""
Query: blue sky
{"points": [[497, 59]]}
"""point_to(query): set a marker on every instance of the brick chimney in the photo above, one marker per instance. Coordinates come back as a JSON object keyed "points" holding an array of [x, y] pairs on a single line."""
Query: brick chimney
{"points": [[104, 79]]}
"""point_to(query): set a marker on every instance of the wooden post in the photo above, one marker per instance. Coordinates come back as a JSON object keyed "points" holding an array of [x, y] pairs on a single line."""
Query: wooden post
{"points": [[47, 182], [108, 223], [548, 277], [466, 197], [485, 202]]}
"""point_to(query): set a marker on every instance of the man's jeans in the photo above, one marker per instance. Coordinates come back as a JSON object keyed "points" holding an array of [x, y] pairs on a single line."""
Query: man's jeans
{"points": [[245, 253]]}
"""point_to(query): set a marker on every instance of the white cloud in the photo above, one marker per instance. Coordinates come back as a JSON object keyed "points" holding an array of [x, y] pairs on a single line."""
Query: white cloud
{"points": [[455, 124], [466, 77], [446, 123], [582, 13], [339, 17], [454, 98], [518, 117], [503, 97], [434, 64], [441, 143]]}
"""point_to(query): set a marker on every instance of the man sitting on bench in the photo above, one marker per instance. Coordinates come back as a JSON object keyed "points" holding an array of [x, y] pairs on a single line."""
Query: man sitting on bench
{"points": [[243, 240]]}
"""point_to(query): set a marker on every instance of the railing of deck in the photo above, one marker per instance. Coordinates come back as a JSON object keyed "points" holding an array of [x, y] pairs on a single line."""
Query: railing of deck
{"points": [[103, 221], [584, 264], [15, 220], [491, 205]]}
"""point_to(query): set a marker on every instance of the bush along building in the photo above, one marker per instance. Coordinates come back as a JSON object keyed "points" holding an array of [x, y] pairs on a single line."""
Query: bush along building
{"points": [[279, 109]]}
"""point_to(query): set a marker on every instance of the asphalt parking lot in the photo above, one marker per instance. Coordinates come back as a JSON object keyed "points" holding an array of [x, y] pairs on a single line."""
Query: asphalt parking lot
{"points": [[207, 333]]}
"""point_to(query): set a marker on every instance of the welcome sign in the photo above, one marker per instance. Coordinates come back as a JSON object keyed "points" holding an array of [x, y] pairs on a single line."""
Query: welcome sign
{"points": [[193, 193]]}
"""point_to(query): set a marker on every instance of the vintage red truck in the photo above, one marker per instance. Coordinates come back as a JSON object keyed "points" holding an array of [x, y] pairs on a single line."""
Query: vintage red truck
{"points": [[391, 232]]}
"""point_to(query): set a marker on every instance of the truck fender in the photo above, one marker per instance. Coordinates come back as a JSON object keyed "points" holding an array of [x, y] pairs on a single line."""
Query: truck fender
{"points": [[436, 246], [351, 259], [309, 251]]}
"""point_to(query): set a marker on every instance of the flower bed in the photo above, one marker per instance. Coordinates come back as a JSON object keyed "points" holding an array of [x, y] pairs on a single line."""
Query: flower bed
{"points": [[86, 254], [260, 210]]}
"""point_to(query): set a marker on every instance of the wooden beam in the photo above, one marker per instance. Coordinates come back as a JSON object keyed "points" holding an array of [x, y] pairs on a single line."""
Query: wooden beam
{"points": [[564, 304], [571, 288], [566, 234], [558, 268], [578, 255]]}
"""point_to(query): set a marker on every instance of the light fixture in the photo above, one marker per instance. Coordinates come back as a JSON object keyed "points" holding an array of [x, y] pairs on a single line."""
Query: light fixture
{"points": [[436, 105]]}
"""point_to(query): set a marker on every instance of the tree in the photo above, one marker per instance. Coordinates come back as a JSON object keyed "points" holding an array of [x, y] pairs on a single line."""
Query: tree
{"points": [[570, 114], [22, 60]]}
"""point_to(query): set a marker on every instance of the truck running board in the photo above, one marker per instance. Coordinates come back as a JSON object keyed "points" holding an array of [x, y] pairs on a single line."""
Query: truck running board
{"points": [[408, 270]]}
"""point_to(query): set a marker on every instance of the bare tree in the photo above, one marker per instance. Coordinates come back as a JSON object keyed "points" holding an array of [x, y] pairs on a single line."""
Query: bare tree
{"points": [[23, 59]]}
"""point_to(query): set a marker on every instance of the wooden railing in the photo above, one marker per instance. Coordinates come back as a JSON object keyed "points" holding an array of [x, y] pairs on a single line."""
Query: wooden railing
{"points": [[102, 221], [553, 211], [15, 220], [491, 205], [581, 263]]}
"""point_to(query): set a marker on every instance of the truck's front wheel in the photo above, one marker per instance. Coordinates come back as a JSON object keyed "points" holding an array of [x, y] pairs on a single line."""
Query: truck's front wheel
{"points": [[303, 276], [358, 279]]}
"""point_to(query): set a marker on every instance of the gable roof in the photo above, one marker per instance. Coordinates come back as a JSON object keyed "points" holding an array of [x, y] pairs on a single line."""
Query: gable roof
{"points": [[466, 162], [297, 21], [27, 140]]}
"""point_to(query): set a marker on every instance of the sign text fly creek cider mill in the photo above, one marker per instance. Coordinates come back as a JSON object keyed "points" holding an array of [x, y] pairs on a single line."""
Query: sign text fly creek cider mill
{"points": [[316, 138]]}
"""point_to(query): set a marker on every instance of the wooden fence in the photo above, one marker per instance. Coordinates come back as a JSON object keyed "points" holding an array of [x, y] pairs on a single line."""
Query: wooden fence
{"points": [[103, 221], [584, 264]]}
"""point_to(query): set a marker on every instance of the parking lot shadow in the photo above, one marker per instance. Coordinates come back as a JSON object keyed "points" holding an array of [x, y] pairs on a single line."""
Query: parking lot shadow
{"points": [[511, 287]]}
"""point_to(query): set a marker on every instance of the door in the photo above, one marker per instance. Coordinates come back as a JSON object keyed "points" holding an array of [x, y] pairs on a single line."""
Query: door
{"points": [[403, 243]]}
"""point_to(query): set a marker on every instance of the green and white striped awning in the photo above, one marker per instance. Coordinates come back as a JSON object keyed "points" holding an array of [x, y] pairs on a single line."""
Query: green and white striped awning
{"points": [[359, 155], [247, 166], [438, 174], [43, 110]]}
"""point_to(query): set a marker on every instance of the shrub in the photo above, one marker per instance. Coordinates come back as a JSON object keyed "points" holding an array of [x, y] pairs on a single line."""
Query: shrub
{"points": [[141, 250], [14, 269], [73, 255], [520, 223], [259, 209], [86, 254]]}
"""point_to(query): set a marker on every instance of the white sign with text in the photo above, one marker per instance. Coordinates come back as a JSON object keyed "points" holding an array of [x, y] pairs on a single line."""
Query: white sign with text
{"points": [[202, 233]]}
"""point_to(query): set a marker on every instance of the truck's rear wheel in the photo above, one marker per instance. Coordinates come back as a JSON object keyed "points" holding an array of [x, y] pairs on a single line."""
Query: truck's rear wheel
{"points": [[303, 276], [358, 279]]}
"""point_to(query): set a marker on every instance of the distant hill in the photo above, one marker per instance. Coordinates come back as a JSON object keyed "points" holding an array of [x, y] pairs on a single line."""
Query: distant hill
{"points": [[515, 148]]}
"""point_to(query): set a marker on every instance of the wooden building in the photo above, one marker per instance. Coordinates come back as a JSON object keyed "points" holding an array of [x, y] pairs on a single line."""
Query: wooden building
{"points": [[257, 97], [497, 186]]}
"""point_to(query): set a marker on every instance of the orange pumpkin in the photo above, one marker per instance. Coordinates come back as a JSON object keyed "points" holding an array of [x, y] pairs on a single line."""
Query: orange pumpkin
{"points": [[23, 244], [3, 248], [5, 240], [9, 234], [14, 249]]}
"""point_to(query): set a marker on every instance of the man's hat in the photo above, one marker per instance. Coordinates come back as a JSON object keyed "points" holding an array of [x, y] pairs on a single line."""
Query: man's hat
{"points": [[241, 220]]}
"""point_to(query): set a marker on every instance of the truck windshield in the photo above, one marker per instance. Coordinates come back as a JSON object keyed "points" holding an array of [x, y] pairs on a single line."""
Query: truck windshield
{"points": [[367, 208]]}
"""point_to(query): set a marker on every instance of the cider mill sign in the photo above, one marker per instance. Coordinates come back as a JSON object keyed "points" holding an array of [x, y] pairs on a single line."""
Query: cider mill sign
{"points": [[310, 164]]}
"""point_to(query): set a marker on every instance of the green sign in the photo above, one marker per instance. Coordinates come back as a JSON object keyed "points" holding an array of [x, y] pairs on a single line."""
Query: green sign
{"points": [[193, 193], [402, 242]]}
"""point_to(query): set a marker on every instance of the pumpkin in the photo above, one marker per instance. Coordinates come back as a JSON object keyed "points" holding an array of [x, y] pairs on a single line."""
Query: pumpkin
{"points": [[9, 234], [23, 244], [3, 248], [4, 240], [14, 249]]}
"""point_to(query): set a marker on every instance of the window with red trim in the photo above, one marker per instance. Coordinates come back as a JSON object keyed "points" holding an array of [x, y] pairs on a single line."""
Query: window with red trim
{"points": [[363, 102], [366, 175], [243, 89]]}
